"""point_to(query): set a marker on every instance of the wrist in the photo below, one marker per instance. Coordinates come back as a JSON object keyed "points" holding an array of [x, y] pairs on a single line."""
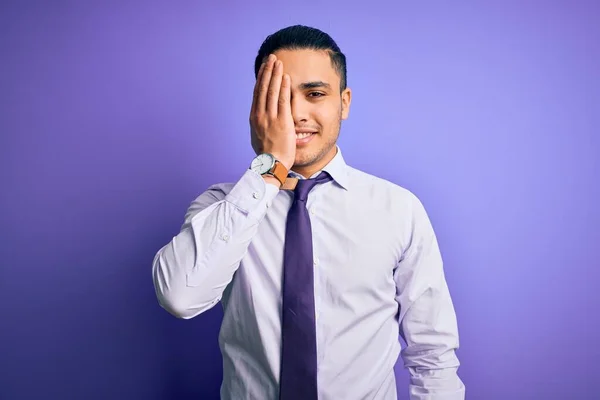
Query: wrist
{"points": [[285, 161], [270, 167], [288, 165]]}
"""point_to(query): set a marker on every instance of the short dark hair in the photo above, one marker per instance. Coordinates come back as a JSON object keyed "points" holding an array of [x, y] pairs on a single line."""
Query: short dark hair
{"points": [[299, 37]]}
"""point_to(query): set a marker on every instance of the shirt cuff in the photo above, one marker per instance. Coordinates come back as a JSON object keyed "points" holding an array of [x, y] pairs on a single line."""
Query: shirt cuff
{"points": [[252, 195]]}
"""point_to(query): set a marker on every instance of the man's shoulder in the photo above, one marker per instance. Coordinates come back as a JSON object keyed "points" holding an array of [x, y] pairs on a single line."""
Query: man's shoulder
{"points": [[374, 185], [397, 201]]}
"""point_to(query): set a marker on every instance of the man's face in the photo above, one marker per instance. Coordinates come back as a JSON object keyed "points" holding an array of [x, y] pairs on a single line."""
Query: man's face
{"points": [[316, 102]]}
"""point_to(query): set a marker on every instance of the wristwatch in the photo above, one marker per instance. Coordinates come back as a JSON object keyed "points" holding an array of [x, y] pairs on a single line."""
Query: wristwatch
{"points": [[267, 164]]}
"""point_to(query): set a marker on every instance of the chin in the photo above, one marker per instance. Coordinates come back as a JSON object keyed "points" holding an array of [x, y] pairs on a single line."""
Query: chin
{"points": [[305, 157], [311, 154]]}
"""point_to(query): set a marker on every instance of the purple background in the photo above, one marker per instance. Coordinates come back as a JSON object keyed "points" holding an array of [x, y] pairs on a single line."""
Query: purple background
{"points": [[115, 115]]}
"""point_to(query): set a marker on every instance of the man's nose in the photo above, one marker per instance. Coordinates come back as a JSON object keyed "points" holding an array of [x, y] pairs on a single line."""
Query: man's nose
{"points": [[299, 109]]}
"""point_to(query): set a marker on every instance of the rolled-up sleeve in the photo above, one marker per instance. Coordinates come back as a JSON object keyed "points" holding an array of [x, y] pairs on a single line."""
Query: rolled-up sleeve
{"points": [[428, 322]]}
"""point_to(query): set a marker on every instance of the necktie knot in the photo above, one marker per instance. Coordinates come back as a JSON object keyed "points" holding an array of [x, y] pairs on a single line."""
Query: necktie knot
{"points": [[304, 186]]}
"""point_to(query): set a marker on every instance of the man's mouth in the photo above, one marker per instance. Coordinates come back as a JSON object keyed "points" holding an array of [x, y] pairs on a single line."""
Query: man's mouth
{"points": [[304, 137]]}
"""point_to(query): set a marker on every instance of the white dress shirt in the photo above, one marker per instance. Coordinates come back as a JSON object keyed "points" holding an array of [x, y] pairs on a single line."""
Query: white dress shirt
{"points": [[378, 274]]}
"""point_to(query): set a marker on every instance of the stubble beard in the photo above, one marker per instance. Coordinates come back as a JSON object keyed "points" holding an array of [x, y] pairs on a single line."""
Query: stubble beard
{"points": [[314, 156]]}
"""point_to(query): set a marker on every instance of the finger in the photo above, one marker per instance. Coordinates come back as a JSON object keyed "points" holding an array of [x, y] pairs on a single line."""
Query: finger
{"points": [[264, 85], [285, 95], [274, 89], [256, 87]]}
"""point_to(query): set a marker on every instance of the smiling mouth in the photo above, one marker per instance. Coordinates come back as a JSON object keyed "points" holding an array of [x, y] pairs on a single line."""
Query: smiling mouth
{"points": [[303, 138]]}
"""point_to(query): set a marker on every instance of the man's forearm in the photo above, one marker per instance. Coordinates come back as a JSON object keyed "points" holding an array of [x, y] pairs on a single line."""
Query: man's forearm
{"points": [[191, 272]]}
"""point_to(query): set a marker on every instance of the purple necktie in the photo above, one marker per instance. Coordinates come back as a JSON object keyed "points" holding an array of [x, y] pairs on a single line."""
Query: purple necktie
{"points": [[299, 339]]}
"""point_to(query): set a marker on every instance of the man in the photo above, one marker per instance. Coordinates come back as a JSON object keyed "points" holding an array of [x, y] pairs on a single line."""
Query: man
{"points": [[317, 277]]}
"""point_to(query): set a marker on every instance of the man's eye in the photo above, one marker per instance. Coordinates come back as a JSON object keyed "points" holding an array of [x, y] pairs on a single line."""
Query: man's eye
{"points": [[316, 94]]}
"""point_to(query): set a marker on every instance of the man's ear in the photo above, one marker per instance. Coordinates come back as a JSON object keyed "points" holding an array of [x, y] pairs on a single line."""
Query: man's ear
{"points": [[346, 100]]}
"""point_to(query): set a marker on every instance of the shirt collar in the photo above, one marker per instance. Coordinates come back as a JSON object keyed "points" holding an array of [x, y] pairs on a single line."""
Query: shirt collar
{"points": [[337, 168]]}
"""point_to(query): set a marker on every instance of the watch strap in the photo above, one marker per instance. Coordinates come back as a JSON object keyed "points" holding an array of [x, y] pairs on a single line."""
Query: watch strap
{"points": [[279, 171], [289, 184]]}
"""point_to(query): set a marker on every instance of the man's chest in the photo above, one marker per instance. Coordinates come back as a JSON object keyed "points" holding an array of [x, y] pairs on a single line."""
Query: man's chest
{"points": [[355, 249]]}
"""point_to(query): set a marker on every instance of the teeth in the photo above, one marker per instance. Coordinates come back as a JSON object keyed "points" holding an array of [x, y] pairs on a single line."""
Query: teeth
{"points": [[302, 135]]}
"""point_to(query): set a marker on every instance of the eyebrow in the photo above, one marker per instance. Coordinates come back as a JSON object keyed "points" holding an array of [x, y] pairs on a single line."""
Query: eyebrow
{"points": [[314, 84]]}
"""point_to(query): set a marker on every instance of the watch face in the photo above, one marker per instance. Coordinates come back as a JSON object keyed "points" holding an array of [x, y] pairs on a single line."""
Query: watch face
{"points": [[262, 163]]}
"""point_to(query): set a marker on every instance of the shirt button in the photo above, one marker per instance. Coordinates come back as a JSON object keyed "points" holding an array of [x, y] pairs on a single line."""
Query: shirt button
{"points": [[312, 211], [316, 262], [255, 195], [225, 237]]}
